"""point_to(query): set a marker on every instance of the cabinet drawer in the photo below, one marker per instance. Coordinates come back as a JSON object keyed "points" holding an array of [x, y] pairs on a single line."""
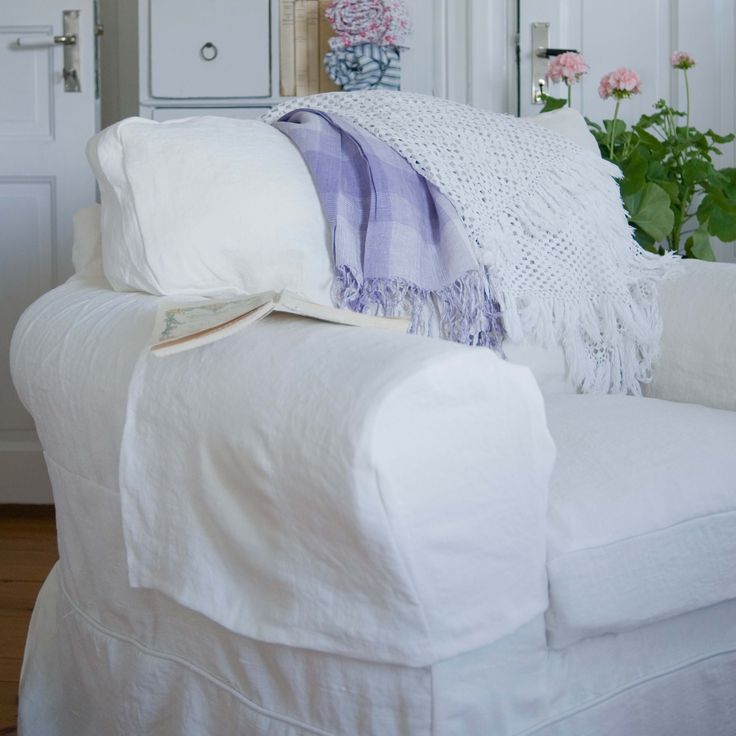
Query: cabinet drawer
{"points": [[238, 34], [172, 113]]}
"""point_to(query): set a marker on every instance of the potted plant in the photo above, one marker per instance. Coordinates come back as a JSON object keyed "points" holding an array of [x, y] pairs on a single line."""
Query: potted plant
{"points": [[675, 196]]}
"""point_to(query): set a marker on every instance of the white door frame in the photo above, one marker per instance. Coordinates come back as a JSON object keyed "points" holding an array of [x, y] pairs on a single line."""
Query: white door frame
{"points": [[44, 179]]}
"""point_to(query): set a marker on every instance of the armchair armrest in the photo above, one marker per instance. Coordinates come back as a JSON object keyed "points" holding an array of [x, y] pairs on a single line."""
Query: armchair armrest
{"points": [[697, 363], [347, 490]]}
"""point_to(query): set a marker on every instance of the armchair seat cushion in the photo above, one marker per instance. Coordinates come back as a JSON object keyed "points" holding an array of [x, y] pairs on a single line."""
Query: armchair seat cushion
{"points": [[642, 512]]}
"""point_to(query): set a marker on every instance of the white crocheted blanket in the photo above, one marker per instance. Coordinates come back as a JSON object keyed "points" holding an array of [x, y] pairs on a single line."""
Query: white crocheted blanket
{"points": [[548, 223]]}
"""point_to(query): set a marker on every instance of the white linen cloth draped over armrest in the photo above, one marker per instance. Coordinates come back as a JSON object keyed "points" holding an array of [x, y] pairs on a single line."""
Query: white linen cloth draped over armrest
{"points": [[347, 490], [697, 363]]}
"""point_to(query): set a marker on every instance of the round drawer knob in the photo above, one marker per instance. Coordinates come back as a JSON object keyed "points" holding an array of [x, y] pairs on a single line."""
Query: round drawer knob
{"points": [[209, 51]]}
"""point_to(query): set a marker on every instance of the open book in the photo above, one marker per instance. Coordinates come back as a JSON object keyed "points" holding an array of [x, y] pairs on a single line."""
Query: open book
{"points": [[183, 326]]}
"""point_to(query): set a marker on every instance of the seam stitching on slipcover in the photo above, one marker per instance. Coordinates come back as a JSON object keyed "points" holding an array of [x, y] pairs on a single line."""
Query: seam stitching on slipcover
{"points": [[191, 666], [615, 693], [643, 535]]}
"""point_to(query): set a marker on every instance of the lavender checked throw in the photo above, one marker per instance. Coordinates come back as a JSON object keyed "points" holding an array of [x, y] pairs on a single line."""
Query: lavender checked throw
{"points": [[399, 245]]}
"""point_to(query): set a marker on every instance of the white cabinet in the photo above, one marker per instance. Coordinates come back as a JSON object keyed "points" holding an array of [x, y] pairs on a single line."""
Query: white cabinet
{"points": [[172, 113], [214, 49], [218, 57], [241, 39]]}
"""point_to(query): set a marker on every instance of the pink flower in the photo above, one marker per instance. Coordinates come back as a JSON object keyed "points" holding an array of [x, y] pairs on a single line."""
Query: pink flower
{"points": [[682, 60], [568, 67], [377, 21], [620, 84]]}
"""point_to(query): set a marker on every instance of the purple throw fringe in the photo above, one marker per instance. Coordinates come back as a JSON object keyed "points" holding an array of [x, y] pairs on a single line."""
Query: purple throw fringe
{"points": [[463, 312]]}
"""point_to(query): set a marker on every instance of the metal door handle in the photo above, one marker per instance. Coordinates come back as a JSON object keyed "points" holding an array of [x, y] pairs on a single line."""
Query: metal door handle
{"points": [[543, 53], [43, 42], [69, 40]]}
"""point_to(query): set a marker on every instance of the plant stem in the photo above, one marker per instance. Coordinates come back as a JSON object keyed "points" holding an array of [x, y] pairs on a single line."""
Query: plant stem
{"points": [[687, 96], [680, 219], [613, 129], [569, 93]]}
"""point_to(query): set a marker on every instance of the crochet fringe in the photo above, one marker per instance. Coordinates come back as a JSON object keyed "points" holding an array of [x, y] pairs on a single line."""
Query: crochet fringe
{"points": [[612, 342], [462, 312], [610, 332]]}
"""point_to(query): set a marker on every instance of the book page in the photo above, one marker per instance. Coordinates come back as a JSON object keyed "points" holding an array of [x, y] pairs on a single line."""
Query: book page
{"points": [[190, 324], [182, 321], [291, 303]]}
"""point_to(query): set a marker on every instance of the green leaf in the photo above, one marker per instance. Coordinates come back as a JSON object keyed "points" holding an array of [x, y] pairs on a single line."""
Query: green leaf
{"points": [[632, 201], [695, 170], [619, 127], [671, 188], [645, 241], [698, 245], [729, 188], [654, 147], [657, 170], [720, 138], [722, 224], [718, 179], [634, 170], [635, 166], [552, 103], [704, 209], [720, 200], [650, 210]]}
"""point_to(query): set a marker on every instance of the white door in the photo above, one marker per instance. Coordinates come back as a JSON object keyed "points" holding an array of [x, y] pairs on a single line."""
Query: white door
{"points": [[44, 179], [642, 36]]}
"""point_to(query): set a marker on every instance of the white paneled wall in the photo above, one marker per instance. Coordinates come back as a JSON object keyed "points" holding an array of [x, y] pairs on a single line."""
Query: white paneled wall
{"points": [[462, 50]]}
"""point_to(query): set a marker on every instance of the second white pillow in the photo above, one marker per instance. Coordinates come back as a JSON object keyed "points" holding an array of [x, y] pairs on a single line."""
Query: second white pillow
{"points": [[209, 205]]}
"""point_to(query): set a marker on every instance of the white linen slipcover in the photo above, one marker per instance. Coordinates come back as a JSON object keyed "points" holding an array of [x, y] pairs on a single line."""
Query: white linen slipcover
{"points": [[105, 658], [642, 519], [697, 361], [324, 474]]}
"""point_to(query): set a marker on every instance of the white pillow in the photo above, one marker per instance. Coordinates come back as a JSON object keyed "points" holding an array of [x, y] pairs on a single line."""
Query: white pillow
{"points": [[569, 123], [208, 205], [86, 249]]}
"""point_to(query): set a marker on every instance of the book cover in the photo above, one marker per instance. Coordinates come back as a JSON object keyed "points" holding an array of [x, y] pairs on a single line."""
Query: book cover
{"points": [[190, 324], [287, 87], [313, 57], [325, 33], [301, 50]]}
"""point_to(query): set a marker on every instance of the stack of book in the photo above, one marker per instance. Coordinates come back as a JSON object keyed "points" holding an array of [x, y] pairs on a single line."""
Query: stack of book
{"points": [[303, 42]]}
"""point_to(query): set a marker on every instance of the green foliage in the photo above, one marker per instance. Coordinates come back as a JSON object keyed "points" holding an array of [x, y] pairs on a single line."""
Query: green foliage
{"points": [[670, 184], [552, 103]]}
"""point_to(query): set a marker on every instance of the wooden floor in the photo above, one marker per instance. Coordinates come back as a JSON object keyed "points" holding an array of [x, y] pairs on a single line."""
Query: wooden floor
{"points": [[27, 553]]}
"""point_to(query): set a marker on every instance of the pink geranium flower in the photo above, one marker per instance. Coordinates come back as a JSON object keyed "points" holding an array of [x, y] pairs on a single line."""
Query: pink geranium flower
{"points": [[620, 84], [682, 60], [568, 67]]}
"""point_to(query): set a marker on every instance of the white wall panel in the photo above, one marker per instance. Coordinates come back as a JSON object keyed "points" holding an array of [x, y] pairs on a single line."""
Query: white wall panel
{"points": [[26, 80]]}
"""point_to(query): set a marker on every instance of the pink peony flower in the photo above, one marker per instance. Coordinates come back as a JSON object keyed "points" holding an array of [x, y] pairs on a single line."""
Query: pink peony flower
{"points": [[568, 67], [620, 84], [385, 22], [682, 60]]}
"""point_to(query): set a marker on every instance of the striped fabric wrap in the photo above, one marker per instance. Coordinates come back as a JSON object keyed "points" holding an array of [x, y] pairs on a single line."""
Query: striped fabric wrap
{"points": [[364, 66]]}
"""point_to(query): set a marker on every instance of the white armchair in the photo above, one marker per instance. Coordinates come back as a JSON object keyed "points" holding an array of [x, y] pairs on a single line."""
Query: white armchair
{"points": [[698, 354], [450, 576], [315, 529]]}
